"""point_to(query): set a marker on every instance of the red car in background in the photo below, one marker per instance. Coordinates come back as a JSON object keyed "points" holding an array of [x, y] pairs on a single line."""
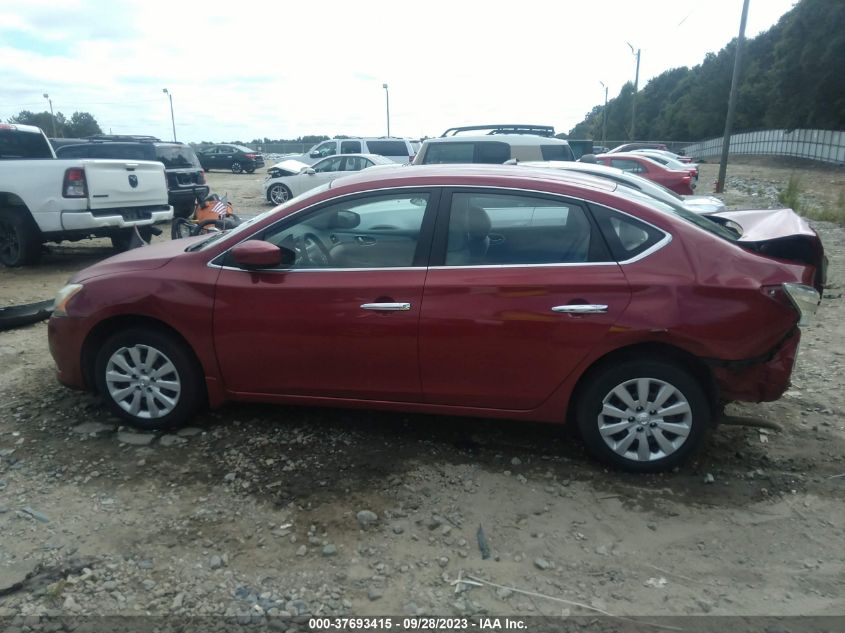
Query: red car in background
{"points": [[679, 181], [489, 290]]}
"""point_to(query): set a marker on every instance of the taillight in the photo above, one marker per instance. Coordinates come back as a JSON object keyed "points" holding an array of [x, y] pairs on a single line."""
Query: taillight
{"points": [[74, 185], [249, 156]]}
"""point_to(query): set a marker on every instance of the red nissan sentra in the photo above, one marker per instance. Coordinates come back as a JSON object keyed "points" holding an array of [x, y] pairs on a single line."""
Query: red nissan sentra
{"points": [[495, 291]]}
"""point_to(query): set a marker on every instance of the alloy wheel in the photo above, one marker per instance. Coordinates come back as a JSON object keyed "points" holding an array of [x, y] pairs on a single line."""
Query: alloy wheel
{"points": [[143, 381]]}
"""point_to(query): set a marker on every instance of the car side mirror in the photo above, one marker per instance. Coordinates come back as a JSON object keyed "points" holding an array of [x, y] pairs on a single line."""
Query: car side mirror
{"points": [[309, 170], [256, 254], [314, 154]]}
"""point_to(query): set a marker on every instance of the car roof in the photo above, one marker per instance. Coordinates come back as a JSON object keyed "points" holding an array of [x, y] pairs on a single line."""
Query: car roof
{"points": [[473, 174], [32, 129], [510, 139]]}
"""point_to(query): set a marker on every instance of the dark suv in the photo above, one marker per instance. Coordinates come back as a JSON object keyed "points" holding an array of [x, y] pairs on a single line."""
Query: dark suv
{"points": [[236, 158], [185, 176]]}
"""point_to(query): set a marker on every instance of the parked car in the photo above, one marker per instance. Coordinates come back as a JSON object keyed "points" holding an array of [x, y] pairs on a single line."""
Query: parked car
{"points": [[697, 204], [497, 291], [290, 178], [492, 148], [182, 169], [600, 149], [669, 162], [234, 158], [398, 150], [661, 152], [628, 147], [678, 181], [45, 199]]}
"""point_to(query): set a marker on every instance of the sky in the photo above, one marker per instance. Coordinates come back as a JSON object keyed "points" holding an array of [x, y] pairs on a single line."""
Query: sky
{"points": [[285, 69]]}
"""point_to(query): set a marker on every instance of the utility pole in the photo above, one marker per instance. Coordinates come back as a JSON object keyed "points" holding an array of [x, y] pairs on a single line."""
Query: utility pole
{"points": [[172, 119], [604, 118], [634, 99], [52, 116], [729, 120], [387, 98]]}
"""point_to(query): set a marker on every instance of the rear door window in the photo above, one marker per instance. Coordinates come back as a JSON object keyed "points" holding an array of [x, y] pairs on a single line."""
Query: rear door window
{"points": [[350, 147], [628, 165], [388, 148]]}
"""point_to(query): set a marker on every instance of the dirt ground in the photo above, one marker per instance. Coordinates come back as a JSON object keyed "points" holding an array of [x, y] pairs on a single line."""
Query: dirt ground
{"points": [[269, 510]]}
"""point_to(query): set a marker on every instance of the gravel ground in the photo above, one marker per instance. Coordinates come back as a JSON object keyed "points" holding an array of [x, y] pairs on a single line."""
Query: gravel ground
{"points": [[293, 511]]}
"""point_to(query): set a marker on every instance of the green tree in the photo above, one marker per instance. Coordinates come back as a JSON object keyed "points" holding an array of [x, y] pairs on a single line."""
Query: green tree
{"points": [[82, 124]]}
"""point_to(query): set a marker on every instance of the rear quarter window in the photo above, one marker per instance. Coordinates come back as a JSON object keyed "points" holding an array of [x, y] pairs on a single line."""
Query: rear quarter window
{"points": [[626, 236], [175, 157], [557, 152], [388, 148]]}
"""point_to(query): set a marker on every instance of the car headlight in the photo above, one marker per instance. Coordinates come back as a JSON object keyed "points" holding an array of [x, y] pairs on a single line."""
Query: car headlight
{"points": [[805, 299], [63, 297]]}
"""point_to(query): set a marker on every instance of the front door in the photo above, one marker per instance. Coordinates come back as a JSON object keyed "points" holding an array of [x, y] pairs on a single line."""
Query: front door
{"points": [[525, 290], [342, 322]]}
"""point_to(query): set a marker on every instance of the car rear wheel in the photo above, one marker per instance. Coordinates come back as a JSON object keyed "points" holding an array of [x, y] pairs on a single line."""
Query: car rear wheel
{"points": [[278, 193], [19, 239], [237, 167], [250, 170], [148, 378], [643, 416]]}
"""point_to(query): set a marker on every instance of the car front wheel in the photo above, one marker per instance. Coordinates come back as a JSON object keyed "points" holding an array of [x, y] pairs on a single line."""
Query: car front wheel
{"points": [[643, 416], [148, 378], [278, 193], [237, 167]]}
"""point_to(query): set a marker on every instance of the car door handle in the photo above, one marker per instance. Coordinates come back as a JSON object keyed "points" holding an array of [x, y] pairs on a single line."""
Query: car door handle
{"points": [[365, 240], [581, 308], [386, 307]]}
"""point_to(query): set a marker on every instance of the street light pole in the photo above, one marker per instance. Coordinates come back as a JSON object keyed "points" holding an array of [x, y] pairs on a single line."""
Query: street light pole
{"points": [[52, 116], [172, 119], [604, 118], [729, 120], [387, 100], [636, 87]]}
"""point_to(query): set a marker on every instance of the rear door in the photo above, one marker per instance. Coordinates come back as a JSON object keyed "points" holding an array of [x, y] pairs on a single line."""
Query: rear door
{"points": [[116, 183], [524, 289]]}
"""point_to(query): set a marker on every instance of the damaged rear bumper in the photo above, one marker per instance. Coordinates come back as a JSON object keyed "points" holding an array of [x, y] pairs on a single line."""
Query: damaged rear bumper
{"points": [[759, 379]]}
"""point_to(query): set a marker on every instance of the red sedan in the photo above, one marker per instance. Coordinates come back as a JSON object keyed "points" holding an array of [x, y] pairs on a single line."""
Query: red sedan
{"points": [[679, 181], [494, 291]]}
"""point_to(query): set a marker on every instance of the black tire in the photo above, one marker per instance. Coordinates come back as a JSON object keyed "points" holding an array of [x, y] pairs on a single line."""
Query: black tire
{"points": [[122, 240], [278, 193], [185, 373], [237, 167], [20, 239], [250, 170], [650, 430], [181, 227]]}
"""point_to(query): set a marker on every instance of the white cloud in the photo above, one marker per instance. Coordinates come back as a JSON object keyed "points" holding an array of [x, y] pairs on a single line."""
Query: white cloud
{"points": [[282, 69]]}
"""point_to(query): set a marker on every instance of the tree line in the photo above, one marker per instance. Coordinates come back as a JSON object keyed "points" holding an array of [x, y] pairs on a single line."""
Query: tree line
{"points": [[792, 76], [79, 125]]}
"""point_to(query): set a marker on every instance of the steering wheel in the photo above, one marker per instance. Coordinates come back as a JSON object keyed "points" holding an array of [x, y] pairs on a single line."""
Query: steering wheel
{"points": [[313, 251]]}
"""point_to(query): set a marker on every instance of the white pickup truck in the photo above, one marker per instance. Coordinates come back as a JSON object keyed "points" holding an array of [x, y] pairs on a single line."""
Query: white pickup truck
{"points": [[45, 199]]}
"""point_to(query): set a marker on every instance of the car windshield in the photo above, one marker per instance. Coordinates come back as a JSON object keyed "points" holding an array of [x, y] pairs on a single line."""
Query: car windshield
{"points": [[174, 156], [248, 223], [701, 221]]}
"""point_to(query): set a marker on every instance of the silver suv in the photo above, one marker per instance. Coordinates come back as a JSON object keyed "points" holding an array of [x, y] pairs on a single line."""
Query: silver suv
{"points": [[399, 150], [501, 143]]}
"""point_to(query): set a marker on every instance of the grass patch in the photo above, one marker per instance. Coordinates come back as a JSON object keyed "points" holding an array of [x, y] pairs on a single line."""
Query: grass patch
{"points": [[835, 214], [789, 197]]}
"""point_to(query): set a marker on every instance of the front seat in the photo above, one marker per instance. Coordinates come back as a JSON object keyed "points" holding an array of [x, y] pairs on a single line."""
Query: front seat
{"points": [[469, 236]]}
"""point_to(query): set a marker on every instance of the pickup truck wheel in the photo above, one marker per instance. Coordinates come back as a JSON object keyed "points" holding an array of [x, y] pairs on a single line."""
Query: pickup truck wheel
{"points": [[20, 242], [183, 210], [237, 167]]}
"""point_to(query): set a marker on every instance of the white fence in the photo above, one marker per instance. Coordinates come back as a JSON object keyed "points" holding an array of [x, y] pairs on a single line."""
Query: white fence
{"points": [[823, 145]]}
